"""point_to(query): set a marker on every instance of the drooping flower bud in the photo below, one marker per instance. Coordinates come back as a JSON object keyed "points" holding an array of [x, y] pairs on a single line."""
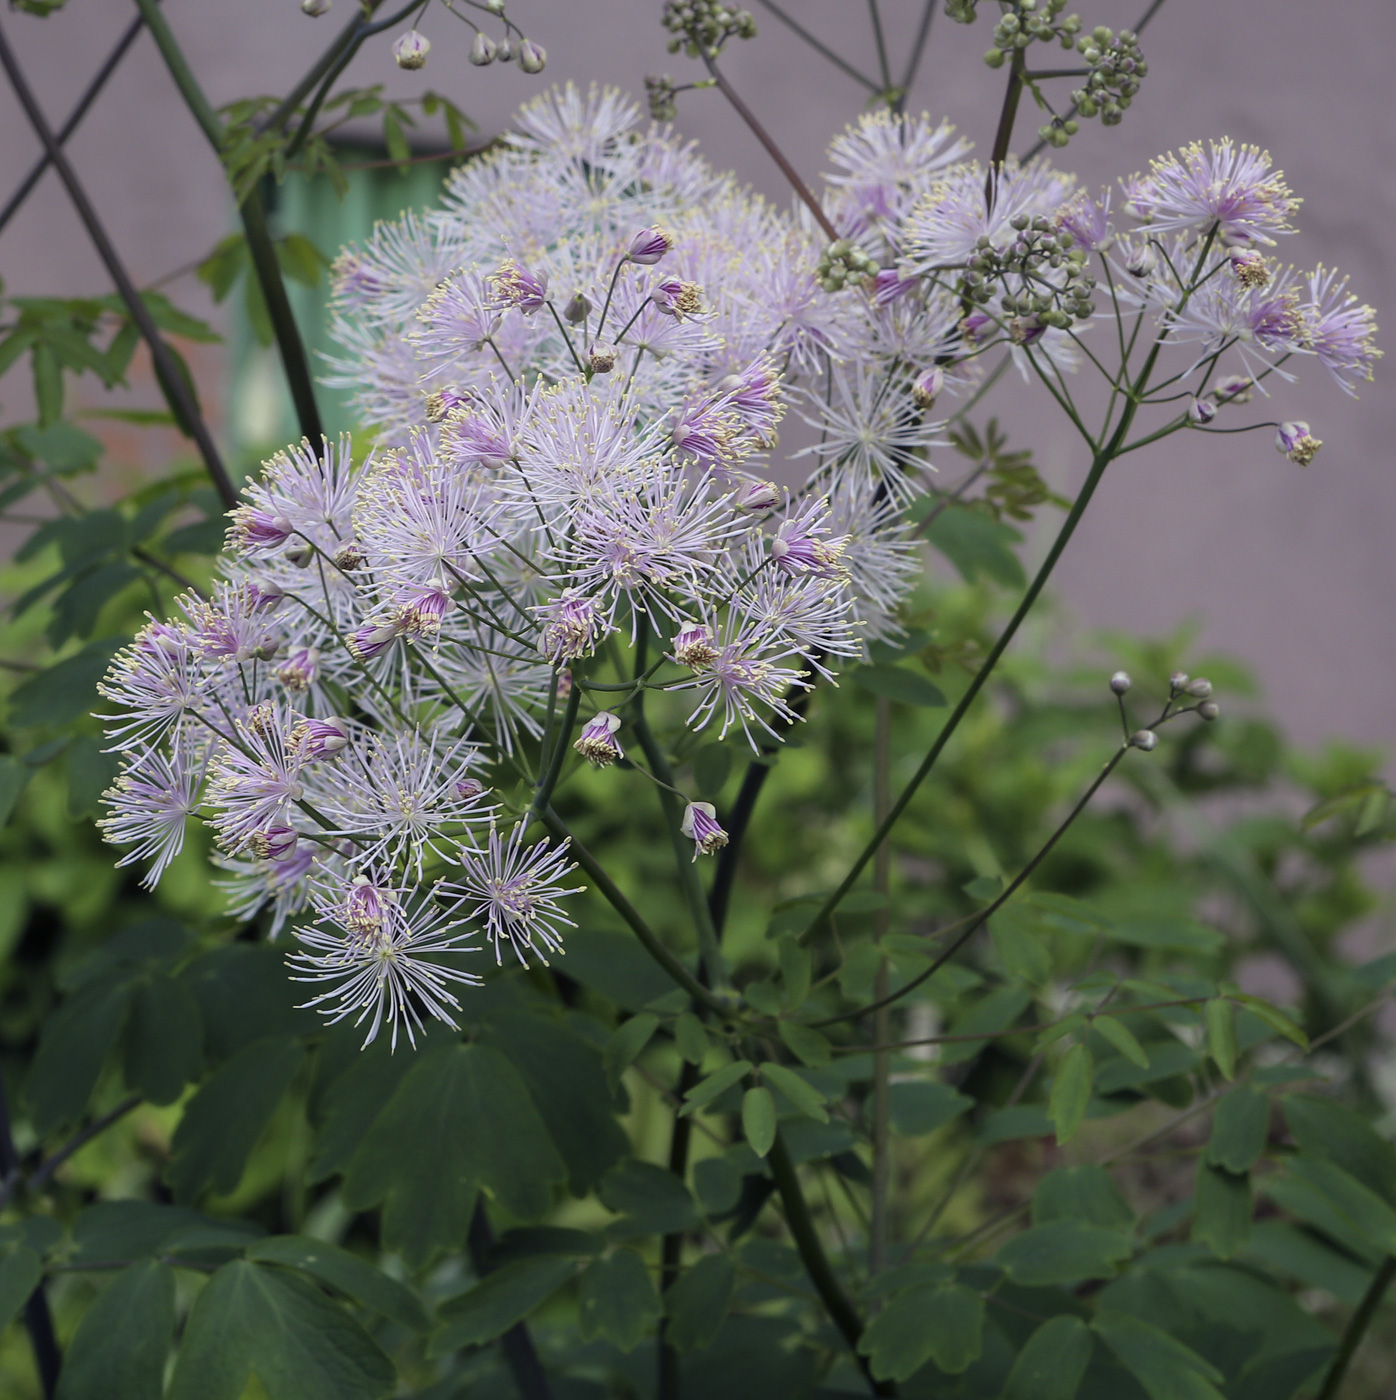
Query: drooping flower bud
{"points": [[927, 388], [649, 245], [299, 669], [1297, 443], [315, 8], [1200, 688], [1201, 411], [1142, 262], [601, 358], [1178, 680], [677, 299], [483, 50], [257, 529], [974, 326], [370, 640], [700, 823], [515, 285], [1250, 267], [1234, 388], [505, 52], [694, 648], [533, 58], [1144, 739], [597, 743], [320, 738], [1209, 710], [1120, 682], [577, 310], [410, 51], [275, 843], [299, 553], [758, 498]]}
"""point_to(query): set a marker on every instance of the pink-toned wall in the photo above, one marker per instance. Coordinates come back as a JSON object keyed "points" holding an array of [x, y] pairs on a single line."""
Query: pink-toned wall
{"points": [[1290, 569]]}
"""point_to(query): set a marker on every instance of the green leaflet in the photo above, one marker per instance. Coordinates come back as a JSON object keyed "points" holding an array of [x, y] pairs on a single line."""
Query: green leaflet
{"points": [[943, 1324], [698, 1301], [498, 1301], [618, 1300], [1222, 1204], [470, 1123], [1071, 1092], [257, 1317], [123, 1340], [650, 1200], [1239, 1128], [1052, 1363], [1166, 1368], [1063, 1251], [347, 1273]]}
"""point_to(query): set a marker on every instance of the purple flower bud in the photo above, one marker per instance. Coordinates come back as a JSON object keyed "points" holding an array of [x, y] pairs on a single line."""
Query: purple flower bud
{"points": [[370, 640], [597, 743], [677, 299], [1120, 682], [483, 50], [299, 553], [700, 823], [258, 529], [444, 402], [649, 245], [1297, 443], [468, 788], [320, 738], [1142, 262], [1250, 267], [1144, 739], [577, 310], [1201, 411], [410, 51], [573, 624], [533, 58], [348, 557], [889, 286], [299, 669], [1234, 388], [275, 843], [601, 358], [1023, 330], [515, 285], [694, 648], [364, 906], [1208, 710], [974, 326], [315, 8], [926, 390], [1177, 681], [758, 498]]}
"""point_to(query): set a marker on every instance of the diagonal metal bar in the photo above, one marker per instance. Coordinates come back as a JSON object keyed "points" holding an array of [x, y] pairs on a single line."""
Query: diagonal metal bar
{"points": [[99, 81], [177, 392]]}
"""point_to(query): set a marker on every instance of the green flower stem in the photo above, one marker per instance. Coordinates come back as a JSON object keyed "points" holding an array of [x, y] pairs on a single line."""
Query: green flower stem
{"points": [[254, 222], [553, 760], [1357, 1326], [615, 897], [517, 1344], [689, 878], [882, 1024], [1103, 458], [168, 373], [816, 1261]]}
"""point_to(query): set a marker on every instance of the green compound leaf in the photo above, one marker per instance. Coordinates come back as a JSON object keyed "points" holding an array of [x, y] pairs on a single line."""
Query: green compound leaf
{"points": [[899, 683], [706, 1090], [164, 1044], [943, 1324], [460, 1122], [123, 1341], [259, 1318], [1052, 1361], [73, 1047], [919, 1106], [1122, 1038], [698, 1302], [801, 1093], [1063, 1251], [1085, 1194], [624, 1047], [1324, 1128], [498, 1301], [618, 1300]]}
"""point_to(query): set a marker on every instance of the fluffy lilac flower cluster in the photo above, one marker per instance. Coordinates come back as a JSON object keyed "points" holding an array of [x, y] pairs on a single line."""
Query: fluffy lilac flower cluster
{"points": [[576, 370]]}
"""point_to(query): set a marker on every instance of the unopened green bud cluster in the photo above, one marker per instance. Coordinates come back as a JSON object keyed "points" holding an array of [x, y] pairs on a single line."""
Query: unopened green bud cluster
{"points": [[702, 27], [841, 263], [1029, 21], [660, 90], [1117, 66], [1040, 251]]}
